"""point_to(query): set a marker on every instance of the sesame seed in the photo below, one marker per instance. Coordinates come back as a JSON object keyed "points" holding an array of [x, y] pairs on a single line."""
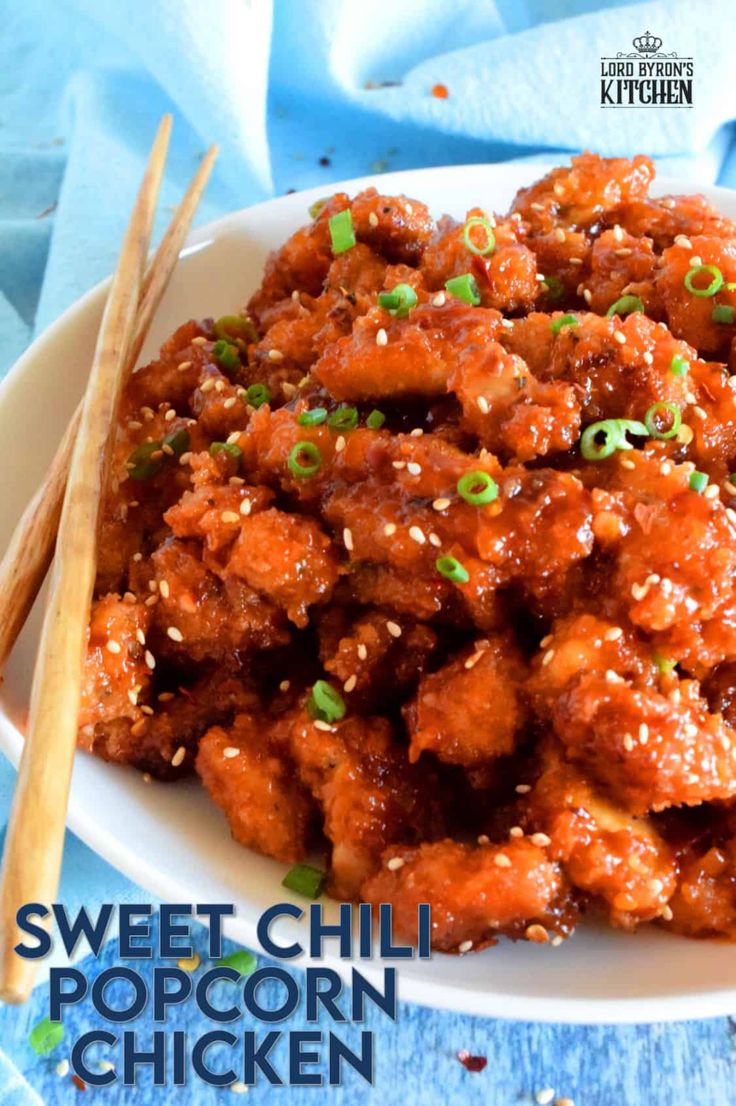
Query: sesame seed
{"points": [[639, 591], [320, 725], [613, 634], [170, 415], [394, 629], [288, 389], [362, 651], [618, 233], [482, 403], [174, 633], [373, 219], [230, 751], [246, 507], [502, 861], [439, 300], [465, 946], [178, 756], [133, 697], [350, 683], [389, 529], [441, 504], [544, 1097], [620, 337], [575, 261], [137, 557], [483, 839], [381, 337], [200, 340], [149, 659], [275, 355], [435, 540], [699, 412], [417, 432], [230, 402], [398, 464], [516, 831], [644, 732], [712, 491], [627, 463], [546, 640], [113, 647], [648, 358], [560, 234], [587, 295], [652, 579], [628, 742], [556, 941], [613, 677], [523, 788], [682, 240], [690, 729], [417, 535], [696, 260], [139, 727], [165, 696], [507, 323], [413, 468], [284, 685], [547, 658], [207, 385], [164, 589], [347, 537], [395, 863], [536, 933], [340, 443], [541, 839], [655, 886]]}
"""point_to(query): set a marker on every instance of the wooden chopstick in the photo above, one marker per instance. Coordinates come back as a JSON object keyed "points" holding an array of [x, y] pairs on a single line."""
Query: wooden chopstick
{"points": [[35, 836], [28, 556]]}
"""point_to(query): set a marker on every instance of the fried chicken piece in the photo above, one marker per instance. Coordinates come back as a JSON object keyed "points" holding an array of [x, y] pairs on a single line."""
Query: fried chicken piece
{"points": [[369, 795], [691, 315], [619, 860], [250, 776], [476, 892], [115, 669], [469, 711]]}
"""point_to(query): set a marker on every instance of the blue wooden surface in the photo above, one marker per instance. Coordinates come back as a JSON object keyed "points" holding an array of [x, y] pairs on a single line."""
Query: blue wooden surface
{"points": [[682, 1064]]}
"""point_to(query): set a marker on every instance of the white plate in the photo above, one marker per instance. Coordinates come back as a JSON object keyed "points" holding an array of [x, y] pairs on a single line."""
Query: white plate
{"points": [[172, 839]]}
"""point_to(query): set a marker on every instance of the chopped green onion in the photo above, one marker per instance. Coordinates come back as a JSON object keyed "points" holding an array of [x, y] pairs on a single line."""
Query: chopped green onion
{"points": [[177, 441], [226, 354], [315, 417], [45, 1036], [464, 288], [256, 395], [230, 448], [451, 569], [305, 880], [664, 664], [399, 301], [304, 450], [325, 703], [234, 327], [344, 418], [141, 464], [678, 365], [243, 961], [490, 244], [341, 231], [614, 437], [316, 207], [650, 420], [698, 481], [565, 320], [555, 288], [625, 306], [375, 420], [723, 313], [710, 289], [477, 488]]}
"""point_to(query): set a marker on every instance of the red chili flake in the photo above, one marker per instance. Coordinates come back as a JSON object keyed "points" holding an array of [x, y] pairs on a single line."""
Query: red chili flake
{"points": [[440, 91], [79, 1083], [471, 1063]]}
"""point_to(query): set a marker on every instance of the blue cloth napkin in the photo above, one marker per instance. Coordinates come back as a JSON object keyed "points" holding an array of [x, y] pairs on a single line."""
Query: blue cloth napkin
{"points": [[298, 93]]}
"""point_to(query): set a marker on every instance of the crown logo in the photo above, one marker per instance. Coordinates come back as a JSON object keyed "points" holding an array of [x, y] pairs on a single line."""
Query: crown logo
{"points": [[647, 43]]}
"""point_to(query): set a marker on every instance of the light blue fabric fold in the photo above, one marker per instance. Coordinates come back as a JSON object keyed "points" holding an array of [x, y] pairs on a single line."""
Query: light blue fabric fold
{"points": [[299, 93]]}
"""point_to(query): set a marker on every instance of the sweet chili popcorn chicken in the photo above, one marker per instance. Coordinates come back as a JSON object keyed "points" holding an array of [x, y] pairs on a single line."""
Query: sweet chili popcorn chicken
{"points": [[437, 537]]}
